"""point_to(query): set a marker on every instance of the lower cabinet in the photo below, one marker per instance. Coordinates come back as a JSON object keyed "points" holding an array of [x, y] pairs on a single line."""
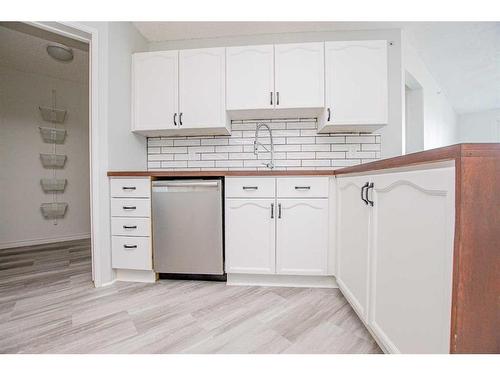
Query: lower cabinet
{"points": [[274, 235], [394, 255], [250, 236], [353, 218], [302, 237]]}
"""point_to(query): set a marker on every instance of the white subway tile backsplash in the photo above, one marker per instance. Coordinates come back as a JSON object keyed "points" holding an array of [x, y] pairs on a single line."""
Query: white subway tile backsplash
{"points": [[297, 146]]}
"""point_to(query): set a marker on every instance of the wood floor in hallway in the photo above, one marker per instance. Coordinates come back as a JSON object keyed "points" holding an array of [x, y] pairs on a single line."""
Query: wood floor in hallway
{"points": [[48, 305]]}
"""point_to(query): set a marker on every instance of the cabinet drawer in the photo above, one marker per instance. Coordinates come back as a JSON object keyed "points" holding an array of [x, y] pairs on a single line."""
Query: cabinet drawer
{"points": [[131, 207], [131, 226], [130, 187], [300, 187], [131, 253], [250, 187]]}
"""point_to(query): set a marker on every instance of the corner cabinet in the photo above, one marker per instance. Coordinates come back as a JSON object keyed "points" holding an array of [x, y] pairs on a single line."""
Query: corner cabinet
{"points": [[179, 93], [356, 83], [394, 255]]}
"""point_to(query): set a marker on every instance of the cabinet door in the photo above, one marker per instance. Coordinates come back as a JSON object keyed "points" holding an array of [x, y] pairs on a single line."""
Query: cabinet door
{"points": [[410, 297], [356, 82], [202, 88], [302, 237], [250, 77], [250, 236], [353, 221], [154, 90], [299, 75]]}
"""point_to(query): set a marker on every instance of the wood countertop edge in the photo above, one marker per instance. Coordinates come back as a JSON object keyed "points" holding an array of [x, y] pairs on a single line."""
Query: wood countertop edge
{"points": [[453, 152]]}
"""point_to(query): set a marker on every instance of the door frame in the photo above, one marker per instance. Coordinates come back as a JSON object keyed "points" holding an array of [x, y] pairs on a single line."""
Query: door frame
{"points": [[98, 147]]}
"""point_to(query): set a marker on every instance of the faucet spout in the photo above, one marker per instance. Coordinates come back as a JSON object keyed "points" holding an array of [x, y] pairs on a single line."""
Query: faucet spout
{"points": [[256, 144]]}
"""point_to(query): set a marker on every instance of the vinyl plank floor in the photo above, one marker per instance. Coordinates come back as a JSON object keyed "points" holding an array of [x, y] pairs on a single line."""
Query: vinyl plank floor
{"points": [[48, 305]]}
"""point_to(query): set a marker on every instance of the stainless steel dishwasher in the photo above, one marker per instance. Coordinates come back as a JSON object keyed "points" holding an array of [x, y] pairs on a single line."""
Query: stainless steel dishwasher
{"points": [[187, 228]]}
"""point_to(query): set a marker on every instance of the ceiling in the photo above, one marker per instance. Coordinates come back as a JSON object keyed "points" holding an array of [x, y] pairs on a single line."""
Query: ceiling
{"points": [[463, 57], [27, 53]]}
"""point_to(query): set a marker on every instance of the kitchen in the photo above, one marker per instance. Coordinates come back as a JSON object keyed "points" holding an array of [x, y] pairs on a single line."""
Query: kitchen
{"points": [[266, 193]]}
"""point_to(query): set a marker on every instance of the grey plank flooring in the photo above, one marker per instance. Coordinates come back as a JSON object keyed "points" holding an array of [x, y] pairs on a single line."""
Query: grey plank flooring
{"points": [[48, 305]]}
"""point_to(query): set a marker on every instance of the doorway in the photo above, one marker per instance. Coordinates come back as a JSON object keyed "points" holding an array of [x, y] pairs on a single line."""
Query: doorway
{"points": [[414, 114], [46, 220]]}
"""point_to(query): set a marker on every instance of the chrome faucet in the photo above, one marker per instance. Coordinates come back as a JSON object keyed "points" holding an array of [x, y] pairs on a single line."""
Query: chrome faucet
{"points": [[256, 144]]}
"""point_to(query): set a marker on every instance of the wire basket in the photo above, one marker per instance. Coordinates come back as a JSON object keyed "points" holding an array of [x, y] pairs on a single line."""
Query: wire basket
{"points": [[53, 185], [53, 114], [53, 160], [53, 210], [53, 135]]}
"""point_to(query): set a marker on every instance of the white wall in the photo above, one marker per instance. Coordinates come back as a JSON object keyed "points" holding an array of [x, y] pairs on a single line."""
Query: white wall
{"points": [[117, 148], [21, 170], [440, 119], [480, 126], [392, 134]]}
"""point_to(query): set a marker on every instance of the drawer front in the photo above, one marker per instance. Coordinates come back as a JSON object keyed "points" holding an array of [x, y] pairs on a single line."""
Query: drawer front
{"points": [[130, 187], [250, 187], [133, 226], [303, 187], [131, 253], [130, 207]]}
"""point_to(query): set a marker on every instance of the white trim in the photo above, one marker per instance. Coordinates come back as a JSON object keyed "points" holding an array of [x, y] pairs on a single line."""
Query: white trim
{"points": [[297, 281], [42, 241], [137, 276]]}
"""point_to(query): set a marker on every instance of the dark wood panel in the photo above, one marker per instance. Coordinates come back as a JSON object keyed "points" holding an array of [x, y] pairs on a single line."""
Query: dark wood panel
{"points": [[476, 287]]}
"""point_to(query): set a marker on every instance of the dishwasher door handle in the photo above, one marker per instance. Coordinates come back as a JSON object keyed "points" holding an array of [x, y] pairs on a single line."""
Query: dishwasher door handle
{"points": [[163, 184]]}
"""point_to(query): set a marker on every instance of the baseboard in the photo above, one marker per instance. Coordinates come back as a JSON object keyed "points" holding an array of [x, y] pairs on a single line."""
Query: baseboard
{"points": [[137, 276], [282, 280], [42, 241]]}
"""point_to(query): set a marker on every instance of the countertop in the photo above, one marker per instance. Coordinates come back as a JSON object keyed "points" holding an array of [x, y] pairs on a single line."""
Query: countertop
{"points": [[454, 152]]}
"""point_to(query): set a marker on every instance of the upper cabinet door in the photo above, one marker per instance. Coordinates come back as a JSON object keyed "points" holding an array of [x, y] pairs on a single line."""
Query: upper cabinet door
{"points": [[356, 83], [202, 88], [154, 90], [250, 77], [299, 75]]}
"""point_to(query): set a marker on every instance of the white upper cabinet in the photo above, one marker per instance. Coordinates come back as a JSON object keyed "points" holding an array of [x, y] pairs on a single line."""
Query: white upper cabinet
{"points": [[299, 75], [179, 93], [202, 89], [250, 77], [356, 86], [154, 90]]}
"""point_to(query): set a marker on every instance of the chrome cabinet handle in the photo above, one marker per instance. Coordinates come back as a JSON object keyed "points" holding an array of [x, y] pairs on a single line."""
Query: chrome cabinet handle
{"points": [[129, 207], [271, 97], [175, 117], [272, 210], [302, 188], [279, 210], [128, 187], [250, 187], [277, 98], [130, 246], [180, 119], [130, 227], [329, 115]]}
